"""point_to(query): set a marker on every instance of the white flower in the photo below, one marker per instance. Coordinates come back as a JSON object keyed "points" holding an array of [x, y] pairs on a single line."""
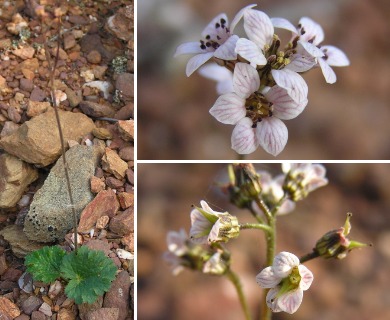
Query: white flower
{"points": [[260, 31], [308, 176], [309, 50], [287, 280], [272, 192], [257, 115], [177, 247], [217, 41], [208, 226], [221, 75]]}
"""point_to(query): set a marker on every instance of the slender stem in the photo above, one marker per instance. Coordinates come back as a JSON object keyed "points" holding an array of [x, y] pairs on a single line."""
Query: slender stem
{"points": [[237, 284], [255, 226], [54, 101], [309, 256], [270, 238], [264, 208]]}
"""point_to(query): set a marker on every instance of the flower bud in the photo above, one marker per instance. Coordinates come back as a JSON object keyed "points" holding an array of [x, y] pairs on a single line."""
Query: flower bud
{"points": [[335, 244], [244, 184], [303, 178]]}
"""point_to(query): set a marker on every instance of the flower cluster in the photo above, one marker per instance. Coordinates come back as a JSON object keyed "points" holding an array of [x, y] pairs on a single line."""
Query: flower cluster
{"points": [[259, 82]]}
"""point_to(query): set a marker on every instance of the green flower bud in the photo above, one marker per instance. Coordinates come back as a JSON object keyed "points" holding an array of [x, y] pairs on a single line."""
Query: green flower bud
{"points": [[335, 244]]}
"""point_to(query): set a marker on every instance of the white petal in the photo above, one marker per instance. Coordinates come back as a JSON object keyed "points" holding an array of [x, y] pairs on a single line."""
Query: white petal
{"points": [[199, 226], [291, 81], [327, 71], [335, 57], [220, 74], [229, 108], [313, 31], [258, 27], [286, 207], [306, 277], [245, 80], [311, 49], [290, 301], [243, 137], [272, 135], [226, 51], [225, 86], [251, 52], [207, 208], [210, 28], [196, 61], [239, 15], [214, 232], [188, 48], [283, 263], [272, 301], [267, 279], [284, 107], [300, 63], [215, 72], [282, 23]]}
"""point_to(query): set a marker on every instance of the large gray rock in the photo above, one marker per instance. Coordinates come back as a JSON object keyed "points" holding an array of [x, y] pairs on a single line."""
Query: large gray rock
{"points": [[50, 215], [37, 140], [15, 176]]}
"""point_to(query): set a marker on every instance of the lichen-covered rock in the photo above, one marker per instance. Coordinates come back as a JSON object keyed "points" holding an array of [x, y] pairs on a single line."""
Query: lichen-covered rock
{"points": [[50, 216], [15, 176], [37, 140]]}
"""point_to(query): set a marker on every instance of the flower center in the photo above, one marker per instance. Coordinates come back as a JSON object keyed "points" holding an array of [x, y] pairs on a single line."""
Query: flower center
{"points": [[257, 107], [214, 40], [290, 283]]}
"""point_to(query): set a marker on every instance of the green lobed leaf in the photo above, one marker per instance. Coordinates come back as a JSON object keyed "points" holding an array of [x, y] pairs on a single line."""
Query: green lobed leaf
{"points": [[44, 264], [90, 274]]}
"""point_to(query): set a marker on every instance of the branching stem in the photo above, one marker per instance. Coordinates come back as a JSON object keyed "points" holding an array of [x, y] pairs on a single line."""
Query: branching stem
{"points": [[237, 285]]}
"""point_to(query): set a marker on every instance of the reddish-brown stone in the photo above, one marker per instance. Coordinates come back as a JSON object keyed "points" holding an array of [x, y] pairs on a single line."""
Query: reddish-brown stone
{"points": [[123, 223], [105, 203]]}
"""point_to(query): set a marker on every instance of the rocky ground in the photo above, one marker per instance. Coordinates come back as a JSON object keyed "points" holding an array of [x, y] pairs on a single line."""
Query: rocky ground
{"points": [[93, 84]]}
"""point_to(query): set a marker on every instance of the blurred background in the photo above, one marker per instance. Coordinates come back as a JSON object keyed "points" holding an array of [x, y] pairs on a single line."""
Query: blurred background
{"points": [[354, 288], [346, 120]]}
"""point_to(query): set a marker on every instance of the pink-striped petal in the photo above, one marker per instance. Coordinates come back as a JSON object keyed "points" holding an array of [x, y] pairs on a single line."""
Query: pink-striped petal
{"points": [[289, 302], [283, 263], [258, 27], [229, 108], [239, 15], [195, 62], [306, 277], [335, 57], [272, 300], [243, 137], [282, 23], [327, 71], [245, 80], [313, 31], [284, 107], [300, 63], [267, 279], [250, 52], [210, 28], [311, 49], [272, 135], [200, 227], [291, 81], [188, 48], [227, 50]]}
